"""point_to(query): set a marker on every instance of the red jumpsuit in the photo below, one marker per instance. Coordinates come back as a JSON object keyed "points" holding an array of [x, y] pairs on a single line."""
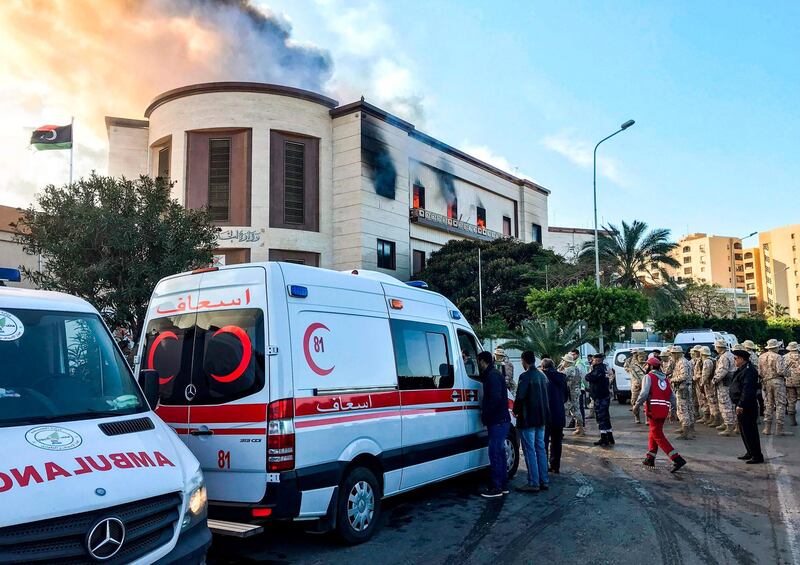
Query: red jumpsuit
{"points": [[657, 410]]}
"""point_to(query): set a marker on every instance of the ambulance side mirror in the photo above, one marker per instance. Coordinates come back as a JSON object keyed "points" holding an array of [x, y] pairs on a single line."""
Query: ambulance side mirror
{"points": [[148, 381]]}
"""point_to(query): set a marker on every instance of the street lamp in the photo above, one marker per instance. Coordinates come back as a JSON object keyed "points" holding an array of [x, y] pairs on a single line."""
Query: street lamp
{"points": [[623, 127]]}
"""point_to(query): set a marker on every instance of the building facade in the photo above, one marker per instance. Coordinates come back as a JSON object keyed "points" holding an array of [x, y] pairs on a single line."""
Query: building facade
{"points": [[568, 242], [710, 259], [779, 273], [12, 255], [753, 280], [291, 175]]}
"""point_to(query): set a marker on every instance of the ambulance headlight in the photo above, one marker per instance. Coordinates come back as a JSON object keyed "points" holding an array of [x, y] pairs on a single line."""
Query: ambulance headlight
{"points": [[196, 501]]}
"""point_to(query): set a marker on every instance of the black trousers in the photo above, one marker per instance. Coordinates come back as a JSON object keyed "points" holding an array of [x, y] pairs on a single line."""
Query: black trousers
{"points": [[748, 428], [553, 439]]}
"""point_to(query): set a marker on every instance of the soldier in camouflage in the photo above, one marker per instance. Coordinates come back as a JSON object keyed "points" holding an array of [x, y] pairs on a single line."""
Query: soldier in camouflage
{"points": [[699, 396], [574, 378], [770, 368], [723, 372], [791, 371], [681, 382], [635, 366], [666, 362], [706, 376], [503, 364]]}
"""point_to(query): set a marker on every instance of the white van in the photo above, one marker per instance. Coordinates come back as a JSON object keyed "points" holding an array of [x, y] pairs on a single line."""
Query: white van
{"points": [[621, 385], [689, 338], [309, 394], [89, 472]]}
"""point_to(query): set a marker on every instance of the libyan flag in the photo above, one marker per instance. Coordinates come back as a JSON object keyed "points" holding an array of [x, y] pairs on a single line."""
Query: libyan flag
{"points": [[52, 137]]}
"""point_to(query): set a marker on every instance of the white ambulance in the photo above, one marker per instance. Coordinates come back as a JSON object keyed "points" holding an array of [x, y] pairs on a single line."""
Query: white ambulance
{"points": [[310, 394], [89, 473]]}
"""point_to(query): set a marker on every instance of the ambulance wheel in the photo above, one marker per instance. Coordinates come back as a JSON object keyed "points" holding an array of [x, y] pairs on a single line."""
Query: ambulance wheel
{"points": [[511, 447], [359, 506]]}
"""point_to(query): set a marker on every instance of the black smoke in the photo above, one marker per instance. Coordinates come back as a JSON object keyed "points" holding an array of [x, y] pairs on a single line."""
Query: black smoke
{"points": [[375, 155]]}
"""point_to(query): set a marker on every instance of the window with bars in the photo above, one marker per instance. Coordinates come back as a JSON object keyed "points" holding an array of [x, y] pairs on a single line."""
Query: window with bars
{"points": [[219, 178], [294, 182]]}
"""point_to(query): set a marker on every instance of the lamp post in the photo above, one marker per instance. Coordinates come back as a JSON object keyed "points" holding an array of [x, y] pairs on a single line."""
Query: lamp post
{"points": [[622, 128]]}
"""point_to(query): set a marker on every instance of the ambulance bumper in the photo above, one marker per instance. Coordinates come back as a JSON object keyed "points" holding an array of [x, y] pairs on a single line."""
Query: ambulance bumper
{"points": [[282, 499], [191, 547]]}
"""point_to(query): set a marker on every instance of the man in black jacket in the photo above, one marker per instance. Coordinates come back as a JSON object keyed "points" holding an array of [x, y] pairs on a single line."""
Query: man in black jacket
{"points": [[532, 409], [558, 394], [495, 416], [601, 396], [744, 392]]}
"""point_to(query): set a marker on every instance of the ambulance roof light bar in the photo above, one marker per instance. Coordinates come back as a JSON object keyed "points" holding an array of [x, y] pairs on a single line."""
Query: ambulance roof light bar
{"points": [[10, 275]]}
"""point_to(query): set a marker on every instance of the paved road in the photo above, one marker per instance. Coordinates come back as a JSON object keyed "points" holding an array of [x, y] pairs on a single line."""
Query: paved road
{"points": [[604, 508]]}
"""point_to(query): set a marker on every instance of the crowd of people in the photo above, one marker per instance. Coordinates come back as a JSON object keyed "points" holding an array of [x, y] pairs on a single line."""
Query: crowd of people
{"points": [[730, 392]]}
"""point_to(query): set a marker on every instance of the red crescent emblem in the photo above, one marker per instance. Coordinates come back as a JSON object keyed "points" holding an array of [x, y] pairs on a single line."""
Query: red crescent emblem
{"points": [[306, 339], [151, 355], [247, 353]]}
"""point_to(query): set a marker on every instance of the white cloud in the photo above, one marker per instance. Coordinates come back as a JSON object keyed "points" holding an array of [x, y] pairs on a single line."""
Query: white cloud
{"points": [[485, 154], [580, 152]]}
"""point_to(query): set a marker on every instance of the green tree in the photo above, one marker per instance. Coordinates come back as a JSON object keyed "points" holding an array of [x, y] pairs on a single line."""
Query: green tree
{"points": [[110, 240], [775, 310], [611, 308], [509, 269], [547, 336], [631, 252], [493, 327], [705, 300]]}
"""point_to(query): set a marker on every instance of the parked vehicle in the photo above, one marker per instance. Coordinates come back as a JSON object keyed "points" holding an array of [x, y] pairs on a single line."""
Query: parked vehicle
{"points": [[621, 385], [689, 338], [309, 394], [89, 472]]}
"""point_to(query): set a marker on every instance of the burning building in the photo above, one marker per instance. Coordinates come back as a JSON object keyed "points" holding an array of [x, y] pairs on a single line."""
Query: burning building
{"points": [[290, 174]]}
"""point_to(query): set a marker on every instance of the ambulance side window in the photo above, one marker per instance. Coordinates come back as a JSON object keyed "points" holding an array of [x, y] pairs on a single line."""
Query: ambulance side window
{"points": [[422, 356], [469, 353]]}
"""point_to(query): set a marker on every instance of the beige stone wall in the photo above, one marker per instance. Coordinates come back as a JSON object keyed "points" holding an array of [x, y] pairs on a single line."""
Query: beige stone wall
{"points": [[12, 256], [711, 260], [262, 113], [568, 244], [781, 268], [127, 151]]}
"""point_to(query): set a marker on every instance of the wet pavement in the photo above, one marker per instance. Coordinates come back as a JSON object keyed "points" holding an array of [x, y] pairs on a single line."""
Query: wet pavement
{"points": [[604, 507]]}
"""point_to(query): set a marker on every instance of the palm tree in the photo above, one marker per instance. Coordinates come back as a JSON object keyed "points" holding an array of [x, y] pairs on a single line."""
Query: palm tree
{"points": [[775, 310], [546, 336], [632, 252]]}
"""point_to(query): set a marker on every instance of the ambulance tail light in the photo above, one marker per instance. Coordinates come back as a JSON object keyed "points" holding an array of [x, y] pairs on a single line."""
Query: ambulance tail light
{"points": [[280, 435]]}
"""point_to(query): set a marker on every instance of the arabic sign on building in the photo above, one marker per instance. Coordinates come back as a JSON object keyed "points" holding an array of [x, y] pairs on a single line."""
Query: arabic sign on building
{"points": [[457, 227], [238, 237]]}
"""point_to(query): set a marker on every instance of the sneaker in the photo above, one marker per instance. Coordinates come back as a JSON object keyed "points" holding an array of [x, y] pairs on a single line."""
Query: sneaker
{"points": [[649, 462], [677, 463], [528, 489], [505, 490], [492, 493], [544, 487]]}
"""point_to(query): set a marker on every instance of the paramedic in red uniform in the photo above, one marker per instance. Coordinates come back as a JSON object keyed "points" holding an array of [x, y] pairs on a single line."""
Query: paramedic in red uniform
{"points": [[659, 401]]}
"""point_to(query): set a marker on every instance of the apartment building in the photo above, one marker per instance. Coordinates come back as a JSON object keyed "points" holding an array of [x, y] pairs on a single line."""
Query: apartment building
{"points": [[710, 259], [292, 175], [779, 273], [754, 283]]}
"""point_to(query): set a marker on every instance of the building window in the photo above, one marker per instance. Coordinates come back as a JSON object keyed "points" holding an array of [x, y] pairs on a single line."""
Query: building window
{"points": [[702, 248], [737, 257], [702, 269], [687, 260], [481, 217], [294, 181], [218, 174], [452, 209], [386, 256], [748, 255], [418, 262], [687, 271], [536, 233], [687, 249], [506, 226], [219, 178], [163, 163], [419, 197]]}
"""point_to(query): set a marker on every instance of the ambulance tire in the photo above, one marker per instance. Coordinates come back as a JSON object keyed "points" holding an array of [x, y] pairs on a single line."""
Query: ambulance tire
{"points": [[512, 451], [358, 509]]}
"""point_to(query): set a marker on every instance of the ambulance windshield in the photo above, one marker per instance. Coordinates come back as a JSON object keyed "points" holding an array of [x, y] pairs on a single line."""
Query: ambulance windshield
{"points": [[61, 366]]}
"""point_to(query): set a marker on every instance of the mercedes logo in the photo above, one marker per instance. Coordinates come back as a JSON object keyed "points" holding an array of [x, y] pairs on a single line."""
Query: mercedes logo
{"points": [[105, 539], [190, 392]]}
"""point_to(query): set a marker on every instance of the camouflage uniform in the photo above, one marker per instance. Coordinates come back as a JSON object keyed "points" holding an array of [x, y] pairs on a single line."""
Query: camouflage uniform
{"points": [[725, 367], [770, 367], [710, 391], [681, 382], [506, 369], [637, 372], [667, 366], [574, 378], [700, 402], [791, 371]]}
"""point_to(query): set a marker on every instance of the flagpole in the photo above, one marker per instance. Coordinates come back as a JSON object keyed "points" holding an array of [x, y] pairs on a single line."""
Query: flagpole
{"points": [[71, 146]]}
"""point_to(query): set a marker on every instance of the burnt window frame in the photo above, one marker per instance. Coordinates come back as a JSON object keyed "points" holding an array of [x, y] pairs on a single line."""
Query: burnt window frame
{"points": [[452, 209], [478, 218], [418, 193]]}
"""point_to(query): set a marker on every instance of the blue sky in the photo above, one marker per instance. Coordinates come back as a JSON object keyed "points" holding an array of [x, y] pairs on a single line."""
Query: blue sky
{"points": [[713, 86]]}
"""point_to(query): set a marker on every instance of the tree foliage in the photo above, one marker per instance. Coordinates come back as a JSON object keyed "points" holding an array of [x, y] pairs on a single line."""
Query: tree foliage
{"points": [[547, 336], [785, 329], [110, 240], [610, 307], [493, 327], [706, 300], [629, 252], [509, 269]]}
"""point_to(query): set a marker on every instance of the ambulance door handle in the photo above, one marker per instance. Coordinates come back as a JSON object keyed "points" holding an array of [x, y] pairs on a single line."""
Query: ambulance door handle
{"points": [[202, 431]]}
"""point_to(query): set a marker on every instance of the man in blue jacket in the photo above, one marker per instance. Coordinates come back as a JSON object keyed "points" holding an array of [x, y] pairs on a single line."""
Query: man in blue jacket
{"points": [[495, 416], [558, 394], [600, 390], [532, 410]]}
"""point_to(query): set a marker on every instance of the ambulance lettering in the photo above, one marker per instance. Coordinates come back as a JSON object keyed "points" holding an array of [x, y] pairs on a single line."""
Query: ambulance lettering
{"points": [[51, 471], [315, 341]]}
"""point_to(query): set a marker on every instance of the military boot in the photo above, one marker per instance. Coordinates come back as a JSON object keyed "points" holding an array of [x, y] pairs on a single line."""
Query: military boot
{"points": [[722, 426], [692, 433], [736, 428], [579, 430], [779, 431], [792, 419], [767, 429], [712, 421], [727, 432], [603, 441]]}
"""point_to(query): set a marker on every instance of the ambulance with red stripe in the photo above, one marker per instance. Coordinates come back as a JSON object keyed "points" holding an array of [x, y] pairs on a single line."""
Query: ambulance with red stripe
{"points": [[88, 472], [310, 394]]}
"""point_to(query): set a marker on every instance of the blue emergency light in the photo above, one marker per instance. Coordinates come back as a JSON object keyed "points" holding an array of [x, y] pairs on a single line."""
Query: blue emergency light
{"points": [[298, 291], [417, 284], [10, 275]]}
